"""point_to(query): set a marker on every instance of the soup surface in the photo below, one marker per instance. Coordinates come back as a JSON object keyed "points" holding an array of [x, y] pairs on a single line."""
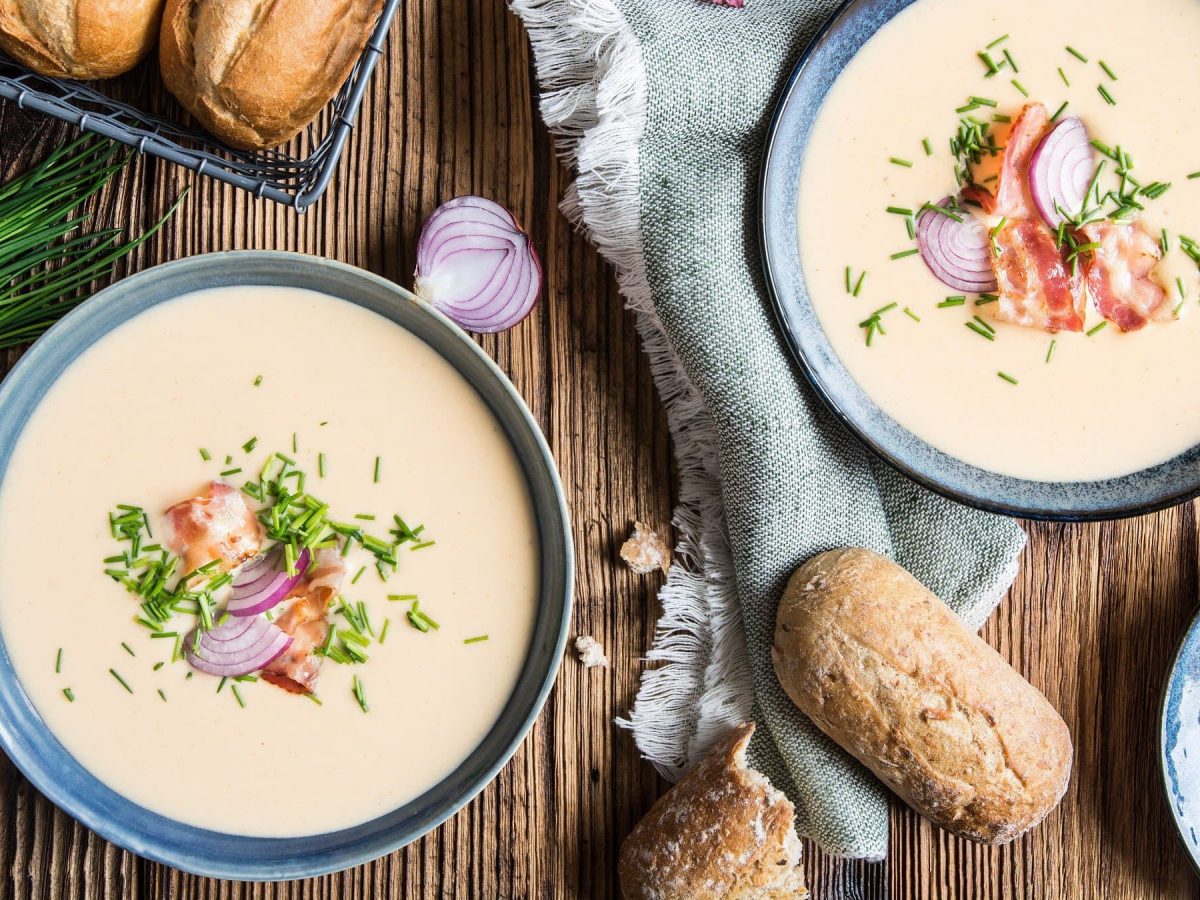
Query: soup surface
{"points": [[1099, 403], [125, 424]]}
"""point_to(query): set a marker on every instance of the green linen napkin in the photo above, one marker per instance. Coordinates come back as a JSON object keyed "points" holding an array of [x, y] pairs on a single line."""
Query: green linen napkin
{"points": [[662, 106]]}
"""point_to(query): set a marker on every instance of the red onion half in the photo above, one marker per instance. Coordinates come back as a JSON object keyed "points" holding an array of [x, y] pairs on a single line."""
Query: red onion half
{"points": [[476, 265], [956, 252], [1061, 171], [238, 647], [263, 582]]}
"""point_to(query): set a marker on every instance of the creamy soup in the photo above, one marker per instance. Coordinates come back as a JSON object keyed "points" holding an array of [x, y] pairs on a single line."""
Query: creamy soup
{"points": [[395, 430], [1097, 403]]}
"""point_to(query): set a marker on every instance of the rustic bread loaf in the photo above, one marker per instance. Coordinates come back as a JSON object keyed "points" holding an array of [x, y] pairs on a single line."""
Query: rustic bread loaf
{"points": [[255, 72], [79, 39], [888, 671], [723, 833]]}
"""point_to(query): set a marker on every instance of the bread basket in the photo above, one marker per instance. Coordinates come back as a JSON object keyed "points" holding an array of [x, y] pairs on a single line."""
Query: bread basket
{"points": [[295, 181]]}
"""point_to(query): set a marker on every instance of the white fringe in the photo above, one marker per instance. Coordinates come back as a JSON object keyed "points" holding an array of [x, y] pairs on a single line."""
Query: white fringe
{"points": [[593, 82]]}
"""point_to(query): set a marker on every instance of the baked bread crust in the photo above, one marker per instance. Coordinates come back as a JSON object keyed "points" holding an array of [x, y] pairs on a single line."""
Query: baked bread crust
{"points": [[255, 72], [79, 39], [889, 672], [722, 832]]}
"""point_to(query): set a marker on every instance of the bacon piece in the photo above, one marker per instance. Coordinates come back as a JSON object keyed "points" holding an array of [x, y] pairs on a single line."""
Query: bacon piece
{"points": [[980, 195], [1037, 287], [1012, 189], [1119, 274], [297, 668], [217, 527]]}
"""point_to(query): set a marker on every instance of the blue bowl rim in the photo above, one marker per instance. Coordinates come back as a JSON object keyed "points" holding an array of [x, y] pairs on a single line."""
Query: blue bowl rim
{"points": [[369, 840], [991, 492], [1189, 642]]}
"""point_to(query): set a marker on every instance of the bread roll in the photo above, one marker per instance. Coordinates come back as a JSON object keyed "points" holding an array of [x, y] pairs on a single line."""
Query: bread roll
{"points": [[723, 833], [888, 671], [255, 73], [79, 39]]}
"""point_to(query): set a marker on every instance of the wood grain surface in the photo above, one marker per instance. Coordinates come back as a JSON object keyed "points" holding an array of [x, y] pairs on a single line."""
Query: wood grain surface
{"points": [[1092, 620]]}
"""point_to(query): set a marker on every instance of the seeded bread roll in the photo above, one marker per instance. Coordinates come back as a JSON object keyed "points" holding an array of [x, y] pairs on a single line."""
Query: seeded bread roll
{"points": [[254, 72], [80, 39], [889, 672], [723, 833]]}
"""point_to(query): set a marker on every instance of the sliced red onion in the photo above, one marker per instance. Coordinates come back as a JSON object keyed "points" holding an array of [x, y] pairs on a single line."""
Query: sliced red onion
{"points": [[957, 253], [238, 647], [1061, 171], [477, 266], [263, 582]]}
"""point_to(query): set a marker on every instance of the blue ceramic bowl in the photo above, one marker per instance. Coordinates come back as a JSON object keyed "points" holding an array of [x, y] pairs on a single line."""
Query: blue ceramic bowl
{"points": [[1180, 795], [834, 46], [45, 762]]}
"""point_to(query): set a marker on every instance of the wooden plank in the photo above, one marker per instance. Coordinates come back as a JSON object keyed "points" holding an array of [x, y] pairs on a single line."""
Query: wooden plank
{"points": [[1092, 619]]}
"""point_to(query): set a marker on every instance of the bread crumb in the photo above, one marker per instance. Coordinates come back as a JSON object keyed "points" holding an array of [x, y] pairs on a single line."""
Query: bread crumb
{"points": [[645, 551], [591, 654]]}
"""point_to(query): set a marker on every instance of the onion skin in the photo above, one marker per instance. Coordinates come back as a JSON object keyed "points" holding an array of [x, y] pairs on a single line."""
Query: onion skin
{"points": [[476, 266], [1061, 171], [957, 253]]}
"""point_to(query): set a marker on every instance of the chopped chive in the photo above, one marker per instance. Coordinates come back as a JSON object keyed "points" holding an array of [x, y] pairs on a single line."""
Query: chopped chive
{"points": [[983, 324], [221, 683], [1108, 98], [912, 315], [257, 380], [377, 462], [477, 639], [1109, 72], [1012, 62], [1050, 351], [858, 284], [359, 695], [952, 301], [988, 62], [899, 211], [205, 455], [295, 443], [1063, 76], [848, 287], [1075, 53], [238, 695], [1007, 377], [321, 465], [1179, 284], [1020, 87], [358, 575], [1097, 328], [928, 147], [1176, 310], [1060, 111], [249, 446], [128, 649], [982, 332], [985, 299], [124, 683], [1165, 243], [882, 310], [422, 545], [228, 460], [1193, 176], [402, 598], [234, 471], [998, 41], [896, 160], [314, 698], [366, 517], [983, 101], [158, 665], [1002, 119], [903, 253], [384, 630], [69, 694], [58, 662]]}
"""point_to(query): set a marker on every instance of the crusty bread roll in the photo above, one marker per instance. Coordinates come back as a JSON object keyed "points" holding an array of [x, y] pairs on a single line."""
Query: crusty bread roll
{"points": [[888, 671], [254, 73], [79, 39], [723, 833]]}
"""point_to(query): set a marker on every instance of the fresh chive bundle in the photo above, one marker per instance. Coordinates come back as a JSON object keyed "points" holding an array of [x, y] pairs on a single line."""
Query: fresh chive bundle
{"points": [[47, 261]]}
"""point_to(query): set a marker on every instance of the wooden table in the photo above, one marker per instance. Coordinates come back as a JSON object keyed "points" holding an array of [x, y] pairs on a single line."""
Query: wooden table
{"points": [[1092, 620]]}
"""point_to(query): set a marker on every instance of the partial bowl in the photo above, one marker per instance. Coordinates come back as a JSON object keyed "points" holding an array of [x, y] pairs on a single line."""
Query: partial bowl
{"points": [[1179, 741], [44, 761], [816, 72]]}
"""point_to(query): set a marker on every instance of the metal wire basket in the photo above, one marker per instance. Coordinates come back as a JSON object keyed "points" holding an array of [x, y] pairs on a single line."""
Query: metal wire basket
{"points": [[275, 174]]}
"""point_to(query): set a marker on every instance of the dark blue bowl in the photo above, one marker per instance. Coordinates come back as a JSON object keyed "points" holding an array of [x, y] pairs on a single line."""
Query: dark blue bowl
{"points": [[820, 66], [38, 754]]}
